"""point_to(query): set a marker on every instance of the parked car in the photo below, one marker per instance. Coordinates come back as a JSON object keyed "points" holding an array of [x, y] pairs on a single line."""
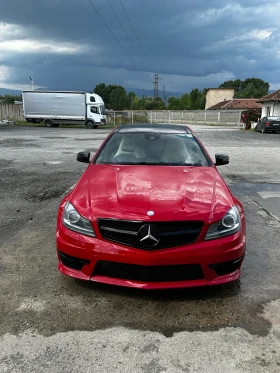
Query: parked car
{"points": [[268, 124], [151, 211]]}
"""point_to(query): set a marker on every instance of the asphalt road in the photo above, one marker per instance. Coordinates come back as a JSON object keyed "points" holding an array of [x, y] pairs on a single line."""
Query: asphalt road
{"points": [[52, 323]]}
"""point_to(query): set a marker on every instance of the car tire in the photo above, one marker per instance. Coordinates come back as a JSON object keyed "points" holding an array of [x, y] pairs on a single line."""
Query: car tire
{"points": [[90, 124], [49, 123]]}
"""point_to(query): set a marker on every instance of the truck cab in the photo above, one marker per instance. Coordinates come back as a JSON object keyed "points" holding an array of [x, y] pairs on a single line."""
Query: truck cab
{"points": [[95, 109]]}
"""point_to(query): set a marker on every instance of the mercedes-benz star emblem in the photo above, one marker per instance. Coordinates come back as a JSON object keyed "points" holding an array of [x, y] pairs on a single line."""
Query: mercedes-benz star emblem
{"points": [[149, 235]]}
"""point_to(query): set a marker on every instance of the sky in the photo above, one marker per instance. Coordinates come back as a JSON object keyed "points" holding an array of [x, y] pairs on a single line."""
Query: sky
{"points": [[189, 43]]}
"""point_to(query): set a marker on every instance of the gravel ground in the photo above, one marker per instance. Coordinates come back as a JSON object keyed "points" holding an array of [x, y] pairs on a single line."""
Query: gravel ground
{"points": [[52, 323]]}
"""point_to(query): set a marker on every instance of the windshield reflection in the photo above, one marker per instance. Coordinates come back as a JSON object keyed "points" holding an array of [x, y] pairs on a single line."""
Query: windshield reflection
{"points": [[152, 149]]}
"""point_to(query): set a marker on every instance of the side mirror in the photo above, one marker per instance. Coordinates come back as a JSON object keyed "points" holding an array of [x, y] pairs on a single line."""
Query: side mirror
{"points": [[221, 159], [83, 157]]}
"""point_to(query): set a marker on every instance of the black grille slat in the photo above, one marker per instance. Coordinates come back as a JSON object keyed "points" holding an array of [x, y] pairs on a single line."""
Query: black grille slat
{"points": [[172, 233], [129, 240], [120, 224], [133, 272], [177, 226]]}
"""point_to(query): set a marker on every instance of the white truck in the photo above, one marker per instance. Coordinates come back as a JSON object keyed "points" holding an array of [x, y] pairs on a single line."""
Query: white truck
{"points": [[55, 108]]}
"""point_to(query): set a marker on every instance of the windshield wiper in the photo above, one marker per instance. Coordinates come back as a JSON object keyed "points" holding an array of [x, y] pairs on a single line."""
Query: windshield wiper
{"points": [[150, 163], [193, 164]]}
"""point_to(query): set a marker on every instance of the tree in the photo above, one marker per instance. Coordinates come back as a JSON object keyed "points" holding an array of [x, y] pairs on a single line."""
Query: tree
{"points": [[147, 103], [102, 90], [197, 99], [135, 103], [174, 103], [193, 101], [130, 98], [118, 98], [9, 99], [155, 104], [185, 101], [111, 99], [249, 88], [236, 84]]}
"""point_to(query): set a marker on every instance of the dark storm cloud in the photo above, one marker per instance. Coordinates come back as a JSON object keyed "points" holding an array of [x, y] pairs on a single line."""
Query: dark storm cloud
{"points": [[195, 43]]}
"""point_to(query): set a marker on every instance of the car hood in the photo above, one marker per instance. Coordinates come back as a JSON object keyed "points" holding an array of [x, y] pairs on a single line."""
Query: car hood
{"points": [[172, 193]]}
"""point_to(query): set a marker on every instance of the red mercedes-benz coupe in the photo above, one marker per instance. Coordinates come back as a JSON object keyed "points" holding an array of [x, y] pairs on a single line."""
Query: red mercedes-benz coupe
{"points": [[151, 211]]}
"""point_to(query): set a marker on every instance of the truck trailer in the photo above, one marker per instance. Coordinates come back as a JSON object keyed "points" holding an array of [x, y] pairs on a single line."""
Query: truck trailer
{"points": [[55, 108]]}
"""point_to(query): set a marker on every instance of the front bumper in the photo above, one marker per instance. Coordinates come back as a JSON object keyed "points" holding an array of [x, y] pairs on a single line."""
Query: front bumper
{"points": [[219, 261]]}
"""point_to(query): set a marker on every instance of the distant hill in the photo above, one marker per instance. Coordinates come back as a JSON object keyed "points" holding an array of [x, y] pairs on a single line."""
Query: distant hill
{"points": [[138, 92], [141, 92], [4, 91]]}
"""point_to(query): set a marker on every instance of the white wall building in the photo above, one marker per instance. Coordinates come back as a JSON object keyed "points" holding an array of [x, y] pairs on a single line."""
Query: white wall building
{"points": [[271, 104]]}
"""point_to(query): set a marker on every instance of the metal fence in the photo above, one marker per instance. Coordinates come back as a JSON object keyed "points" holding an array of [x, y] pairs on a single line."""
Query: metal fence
{"points": [[168, 116]]}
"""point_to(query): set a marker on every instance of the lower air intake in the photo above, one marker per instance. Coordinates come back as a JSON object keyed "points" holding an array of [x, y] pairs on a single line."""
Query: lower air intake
{"points": [[183, 272]]}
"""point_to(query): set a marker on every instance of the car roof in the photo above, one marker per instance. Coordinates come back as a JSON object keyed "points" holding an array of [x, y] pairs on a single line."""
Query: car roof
{"points": [[159, 128]]}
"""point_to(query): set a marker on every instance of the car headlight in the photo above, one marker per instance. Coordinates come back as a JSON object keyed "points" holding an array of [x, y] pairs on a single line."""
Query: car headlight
{"points": [[75, 222], [230, 224]]}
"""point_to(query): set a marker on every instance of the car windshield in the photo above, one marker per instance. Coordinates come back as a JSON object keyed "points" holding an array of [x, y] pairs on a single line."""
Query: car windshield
{"points": [[152, 149]]}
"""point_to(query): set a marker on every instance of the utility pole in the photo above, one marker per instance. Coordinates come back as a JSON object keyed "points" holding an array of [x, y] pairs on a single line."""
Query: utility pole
{"points": [[163, 95], [156, 85]]}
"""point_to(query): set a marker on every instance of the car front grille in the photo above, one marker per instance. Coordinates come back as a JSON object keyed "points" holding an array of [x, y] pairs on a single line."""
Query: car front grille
{"points": [[133, 272], [171, 233]]}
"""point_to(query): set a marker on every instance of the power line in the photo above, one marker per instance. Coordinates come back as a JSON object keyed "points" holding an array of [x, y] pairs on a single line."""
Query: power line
{"points": [[153, 69], [170, 81], [137, 67], [105, 23], [125, 32], [136, 36]]}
